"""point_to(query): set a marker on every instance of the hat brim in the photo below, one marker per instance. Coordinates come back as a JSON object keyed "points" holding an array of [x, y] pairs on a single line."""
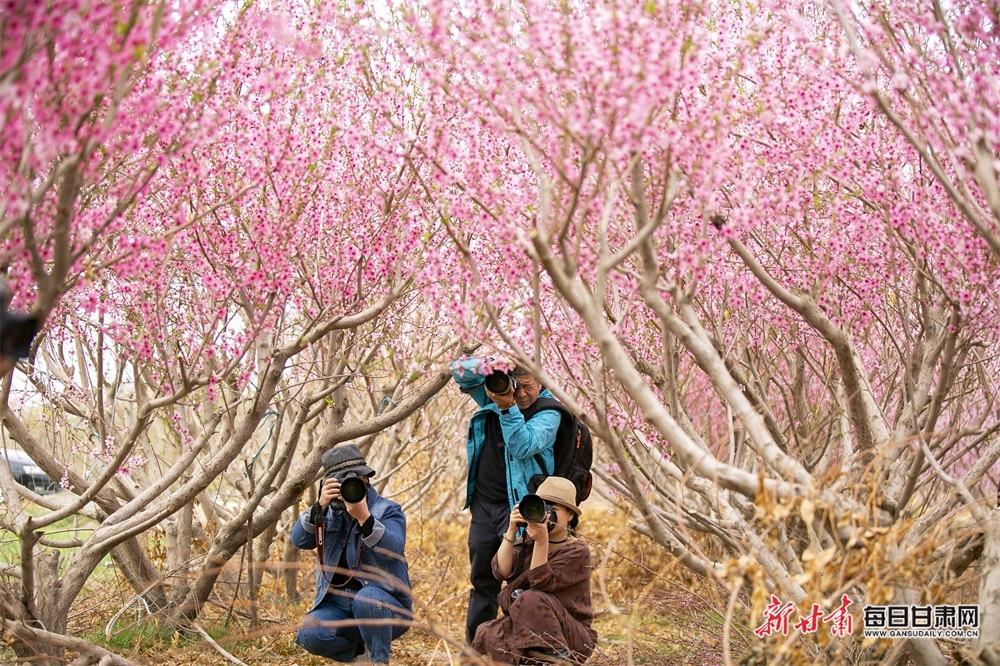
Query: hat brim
{"points": [[561, 501], [359, 468]]}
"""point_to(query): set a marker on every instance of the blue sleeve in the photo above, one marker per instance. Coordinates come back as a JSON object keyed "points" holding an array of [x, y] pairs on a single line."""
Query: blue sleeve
{"points": [[468, 375], [389, 534], [304, 532], [527, 438]]}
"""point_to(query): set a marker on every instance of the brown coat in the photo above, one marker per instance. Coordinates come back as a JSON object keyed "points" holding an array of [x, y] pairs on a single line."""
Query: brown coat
{"points": [[548, 606]]}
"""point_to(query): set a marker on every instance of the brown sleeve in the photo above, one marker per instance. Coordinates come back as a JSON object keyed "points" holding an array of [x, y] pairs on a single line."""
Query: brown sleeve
{"points": [[517, 554], [518, 578], [569, 566]]}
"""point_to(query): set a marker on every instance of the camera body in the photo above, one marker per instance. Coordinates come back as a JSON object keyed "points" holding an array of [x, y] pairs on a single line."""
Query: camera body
{"points": [[501, 382], [353, 489], [536, 510]]}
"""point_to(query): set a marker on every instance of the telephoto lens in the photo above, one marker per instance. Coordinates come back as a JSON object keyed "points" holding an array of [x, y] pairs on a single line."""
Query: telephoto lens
{"points": [[534, 509], [498, 382], [353, 488]]}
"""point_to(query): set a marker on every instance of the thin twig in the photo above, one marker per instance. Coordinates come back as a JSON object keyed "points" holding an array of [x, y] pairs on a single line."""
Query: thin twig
{"points": [[211, 641]]}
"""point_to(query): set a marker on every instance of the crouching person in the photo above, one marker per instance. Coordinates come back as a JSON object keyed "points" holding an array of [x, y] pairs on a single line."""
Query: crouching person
{"points": [[362, 600], [546, 602]]}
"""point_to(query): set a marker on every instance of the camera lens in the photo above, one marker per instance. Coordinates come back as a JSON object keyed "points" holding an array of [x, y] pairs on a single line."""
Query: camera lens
{"points": [[534, 509], [353, 489], [498, 382]]}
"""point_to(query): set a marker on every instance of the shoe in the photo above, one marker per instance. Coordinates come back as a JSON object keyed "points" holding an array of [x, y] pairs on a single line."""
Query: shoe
{"points": [[364, 657], [548, 655]]}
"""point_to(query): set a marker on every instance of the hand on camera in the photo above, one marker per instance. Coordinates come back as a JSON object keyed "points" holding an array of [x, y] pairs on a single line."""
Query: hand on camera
{"points": [[329, 492], [358, 510], [502, 400], [539, 532], [500, 385], [516, 519]]}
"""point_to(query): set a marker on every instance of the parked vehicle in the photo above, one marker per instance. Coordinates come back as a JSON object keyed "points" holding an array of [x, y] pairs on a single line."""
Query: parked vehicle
{"points": [[29, 474]]}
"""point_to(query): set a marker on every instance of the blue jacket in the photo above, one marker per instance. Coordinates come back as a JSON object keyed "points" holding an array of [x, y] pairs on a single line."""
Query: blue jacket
{"points": [[383, 562], [522, 439]]}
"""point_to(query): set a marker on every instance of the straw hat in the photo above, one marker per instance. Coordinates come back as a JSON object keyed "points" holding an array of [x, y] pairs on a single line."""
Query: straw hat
{"points": [[559, 490]]}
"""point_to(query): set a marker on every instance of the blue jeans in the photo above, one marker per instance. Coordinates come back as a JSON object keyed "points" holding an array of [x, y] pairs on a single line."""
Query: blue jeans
{"points": [[338, 627]]}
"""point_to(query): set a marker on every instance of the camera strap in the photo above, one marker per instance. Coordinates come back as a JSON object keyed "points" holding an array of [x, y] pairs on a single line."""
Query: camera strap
{"points": [[521, 557], [320, 549], [319, 521]]}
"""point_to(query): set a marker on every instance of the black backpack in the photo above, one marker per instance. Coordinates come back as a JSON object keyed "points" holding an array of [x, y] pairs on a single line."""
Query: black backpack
{"points": [[573, 451]]}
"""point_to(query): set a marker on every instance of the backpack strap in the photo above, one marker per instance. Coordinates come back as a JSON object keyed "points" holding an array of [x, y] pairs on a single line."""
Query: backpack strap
{"points": [[542, 404], [541, 465]]}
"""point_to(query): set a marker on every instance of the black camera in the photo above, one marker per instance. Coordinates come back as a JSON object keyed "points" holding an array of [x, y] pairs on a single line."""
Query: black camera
{"points": [[501, 382], [534, 509], [353, 489]]}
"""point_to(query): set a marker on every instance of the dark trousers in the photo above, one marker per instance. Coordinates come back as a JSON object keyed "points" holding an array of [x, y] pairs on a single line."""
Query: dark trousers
{"points": [[489, 523]]}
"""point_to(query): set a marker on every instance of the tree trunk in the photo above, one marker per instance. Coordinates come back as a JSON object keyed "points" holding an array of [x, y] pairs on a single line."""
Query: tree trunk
{"points": [[261, 552], [988, 644], [51, 613], [290, 563], [178, 535], [140, 572]]}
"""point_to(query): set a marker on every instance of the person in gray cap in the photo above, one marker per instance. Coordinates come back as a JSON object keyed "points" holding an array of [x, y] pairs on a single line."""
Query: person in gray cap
{"points": [[362, 579]]}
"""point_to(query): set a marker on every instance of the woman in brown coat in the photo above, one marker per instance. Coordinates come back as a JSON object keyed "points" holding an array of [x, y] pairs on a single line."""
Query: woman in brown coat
{"points": [[546, 603]]}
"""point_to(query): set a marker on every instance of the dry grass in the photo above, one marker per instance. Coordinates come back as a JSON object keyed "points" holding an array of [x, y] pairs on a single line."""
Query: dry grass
{"points": [[649, 611]]}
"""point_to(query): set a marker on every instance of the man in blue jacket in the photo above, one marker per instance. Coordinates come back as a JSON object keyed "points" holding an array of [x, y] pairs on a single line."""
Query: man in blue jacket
{"points": [[506, 439], [363, 578]]}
